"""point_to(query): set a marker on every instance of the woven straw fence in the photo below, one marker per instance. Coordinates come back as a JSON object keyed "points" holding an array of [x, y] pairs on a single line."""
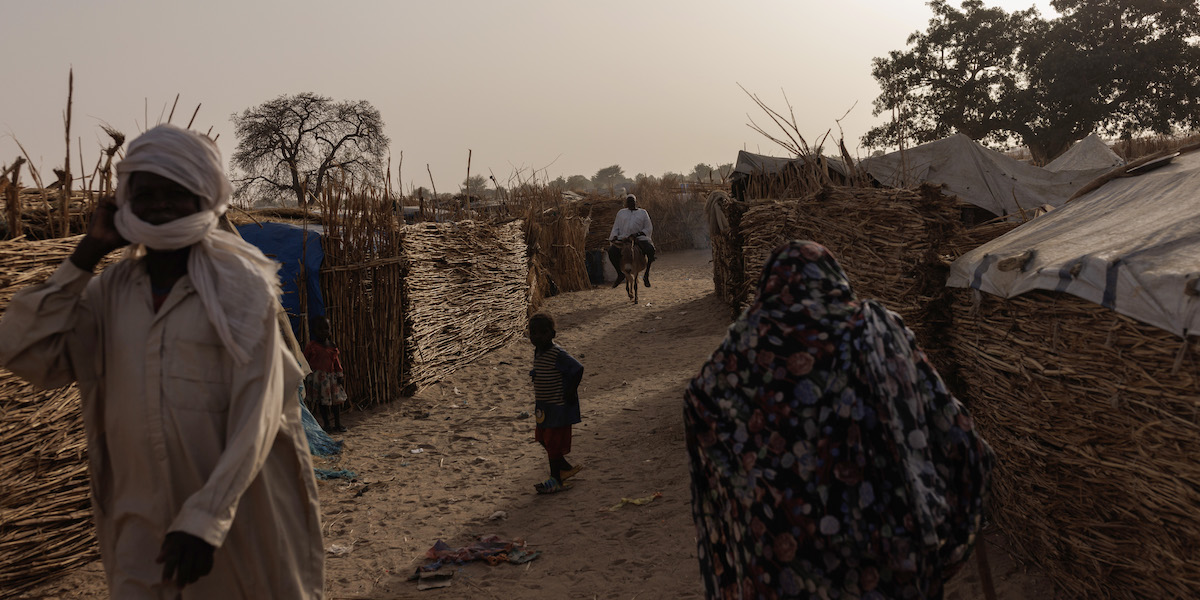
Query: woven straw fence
{"points": [[466, 293], [556, 235], [1096, 428], [361, 282], [728, 261], [895, 246], [45, 515], [40, 212]]}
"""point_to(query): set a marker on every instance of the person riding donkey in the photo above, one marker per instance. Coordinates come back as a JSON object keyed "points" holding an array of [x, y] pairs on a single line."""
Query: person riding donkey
{"points": [[634, 222]]}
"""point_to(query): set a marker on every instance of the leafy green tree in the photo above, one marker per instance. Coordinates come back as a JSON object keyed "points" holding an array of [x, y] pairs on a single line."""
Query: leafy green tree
{"points": [[701, 172], [474, 185], [609, 177], [1124, 67], [578, 183], [644, 179], [292, 144]]}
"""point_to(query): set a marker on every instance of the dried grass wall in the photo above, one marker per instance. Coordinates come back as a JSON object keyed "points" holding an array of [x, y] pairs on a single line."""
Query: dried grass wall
{"points": [[39, 214], [1096, 429], [890, 243], [556, 235], [465, 293], [725, 231], [895, 246], [361, 281], [45, 515]]}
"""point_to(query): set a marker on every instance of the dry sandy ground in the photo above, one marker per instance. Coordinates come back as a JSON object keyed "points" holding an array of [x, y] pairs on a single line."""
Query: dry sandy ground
{"points": [[477, 463]]}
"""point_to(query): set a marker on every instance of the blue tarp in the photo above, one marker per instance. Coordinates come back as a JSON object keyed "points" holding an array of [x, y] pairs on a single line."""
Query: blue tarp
{"points": [[286, 244], [319, 442]]}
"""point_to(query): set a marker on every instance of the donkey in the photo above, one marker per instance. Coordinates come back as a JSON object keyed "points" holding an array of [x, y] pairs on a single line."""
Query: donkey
{"points": [[633, 262]]}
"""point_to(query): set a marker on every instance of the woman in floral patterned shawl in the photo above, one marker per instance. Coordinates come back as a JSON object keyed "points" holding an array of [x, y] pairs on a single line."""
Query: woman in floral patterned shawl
{"points": [[828, 459]]}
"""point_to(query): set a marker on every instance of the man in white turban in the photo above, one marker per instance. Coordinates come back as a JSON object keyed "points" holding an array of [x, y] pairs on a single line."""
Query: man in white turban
{"points": [[202, 485]]}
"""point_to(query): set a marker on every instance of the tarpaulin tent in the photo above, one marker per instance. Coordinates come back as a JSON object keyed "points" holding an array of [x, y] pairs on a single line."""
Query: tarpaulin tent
{"points": [[978, 175], [1132, 245], [759, 176], [1093, 409], [1089, 153], [298, 250]]}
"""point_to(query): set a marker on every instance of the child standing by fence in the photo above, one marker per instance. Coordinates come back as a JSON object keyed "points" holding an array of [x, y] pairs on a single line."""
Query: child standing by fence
{"points": [[326, 380], [556, 377]]}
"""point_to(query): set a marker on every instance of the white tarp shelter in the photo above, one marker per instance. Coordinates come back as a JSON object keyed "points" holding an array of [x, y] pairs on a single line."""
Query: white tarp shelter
{"points": [[1089, 153], [1132, 245], [978, 175]]}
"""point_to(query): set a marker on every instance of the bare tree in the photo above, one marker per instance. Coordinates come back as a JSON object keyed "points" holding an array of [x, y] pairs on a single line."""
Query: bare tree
{"points": [[292, 144]]}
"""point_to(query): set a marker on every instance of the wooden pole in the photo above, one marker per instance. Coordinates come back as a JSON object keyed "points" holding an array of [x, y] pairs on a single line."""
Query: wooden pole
{"points": [[191, 120], [434, 184], [12, 199], [468, 186], [65, 193], [173, 105]]}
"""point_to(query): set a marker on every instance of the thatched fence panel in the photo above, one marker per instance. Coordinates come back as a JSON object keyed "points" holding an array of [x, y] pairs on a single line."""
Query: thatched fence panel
{"points": [[466, 293], [895, 246], [45, 515], [361, 281], [1095, 420], [556, 234]]}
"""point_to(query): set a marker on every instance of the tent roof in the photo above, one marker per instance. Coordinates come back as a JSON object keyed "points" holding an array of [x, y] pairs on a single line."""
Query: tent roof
{"points": [[749, 163], [981, 176], [1132, 245], [1089, 153]]}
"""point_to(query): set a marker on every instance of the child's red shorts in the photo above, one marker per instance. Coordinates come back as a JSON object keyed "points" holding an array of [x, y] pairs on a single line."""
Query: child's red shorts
{"points": [[557, 440]]}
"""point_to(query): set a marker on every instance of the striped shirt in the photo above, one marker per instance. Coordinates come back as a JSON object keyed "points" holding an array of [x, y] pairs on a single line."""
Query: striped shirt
{"points": [[547, 379]]}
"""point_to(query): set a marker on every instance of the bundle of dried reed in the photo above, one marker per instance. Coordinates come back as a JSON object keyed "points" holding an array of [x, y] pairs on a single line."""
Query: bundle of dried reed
{"points": [[466, 293], [361, 281], [275, 214], [1095, 421], [895, 246], [728, 262], [39, 215], [555, 234], [45, 516], [600, 212], [1135, 148]]}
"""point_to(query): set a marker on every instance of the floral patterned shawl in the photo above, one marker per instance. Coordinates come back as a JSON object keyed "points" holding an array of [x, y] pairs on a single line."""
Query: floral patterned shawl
{"points": [[828, 459]]}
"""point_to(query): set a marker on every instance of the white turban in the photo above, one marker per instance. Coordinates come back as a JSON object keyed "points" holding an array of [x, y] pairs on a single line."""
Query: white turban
{"points": [[238, 285]]}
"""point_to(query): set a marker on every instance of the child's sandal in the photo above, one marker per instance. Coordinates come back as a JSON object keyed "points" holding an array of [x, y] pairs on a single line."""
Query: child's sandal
{"points": [[551, 486], [569, 473]]}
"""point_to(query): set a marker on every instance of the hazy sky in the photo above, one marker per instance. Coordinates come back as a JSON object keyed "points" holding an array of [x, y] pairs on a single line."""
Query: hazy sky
{"points": [[563, 87]]}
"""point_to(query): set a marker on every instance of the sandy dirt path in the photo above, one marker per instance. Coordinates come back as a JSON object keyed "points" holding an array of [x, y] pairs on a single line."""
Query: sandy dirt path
{"points": [[458, 460]]}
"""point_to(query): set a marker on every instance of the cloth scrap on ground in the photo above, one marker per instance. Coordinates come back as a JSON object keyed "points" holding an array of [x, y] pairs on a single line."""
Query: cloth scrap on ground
{"points": [[319, 442], [335, 474], [490, 548], [637, 501]]}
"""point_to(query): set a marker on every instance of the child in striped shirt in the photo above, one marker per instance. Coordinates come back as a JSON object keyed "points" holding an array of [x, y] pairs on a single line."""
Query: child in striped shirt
{"points": [[556, 377]]}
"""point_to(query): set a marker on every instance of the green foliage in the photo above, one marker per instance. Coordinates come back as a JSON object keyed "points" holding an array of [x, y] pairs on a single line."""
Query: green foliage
{"points": [[1124, 67], [701, 172], [474, 185], [609, 177], [578, 183], [292, 145]]}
